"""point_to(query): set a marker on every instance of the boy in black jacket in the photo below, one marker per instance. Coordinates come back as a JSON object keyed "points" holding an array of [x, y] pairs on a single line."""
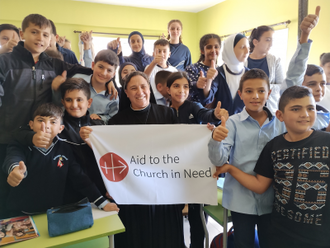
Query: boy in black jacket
{"points": [[38, 175]]}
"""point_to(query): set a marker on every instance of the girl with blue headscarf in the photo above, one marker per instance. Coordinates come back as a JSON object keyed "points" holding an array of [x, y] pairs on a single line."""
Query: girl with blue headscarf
{"points": [[138, 57]]}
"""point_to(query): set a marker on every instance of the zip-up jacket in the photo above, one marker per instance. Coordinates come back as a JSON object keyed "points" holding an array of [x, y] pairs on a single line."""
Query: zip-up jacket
{"points": [[24, 85]]}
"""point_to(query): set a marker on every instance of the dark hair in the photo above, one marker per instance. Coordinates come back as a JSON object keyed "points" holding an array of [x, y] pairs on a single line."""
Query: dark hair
{"points": [[53, 27], [54, 54], [176, 75], [75, 84], [168, 27], [325, 58], [48, 109], [107, 56], [293, 92], [161, 77], [133, 74], [36, 19], [161, 42], [121, 68], [9, 27], [313, 69], [203, 42], [257, 33], [252, 74]]}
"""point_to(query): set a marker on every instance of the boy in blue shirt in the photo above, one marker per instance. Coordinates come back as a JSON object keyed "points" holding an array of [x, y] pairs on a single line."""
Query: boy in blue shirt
{"points": [[297, 164], [39, 175]]}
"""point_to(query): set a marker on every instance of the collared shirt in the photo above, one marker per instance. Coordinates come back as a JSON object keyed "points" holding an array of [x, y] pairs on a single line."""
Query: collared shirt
{"points": [[245, 141]]}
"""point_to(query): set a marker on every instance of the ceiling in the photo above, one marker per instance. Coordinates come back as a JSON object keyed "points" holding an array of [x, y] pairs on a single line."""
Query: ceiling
{"points": [[176, 5]]}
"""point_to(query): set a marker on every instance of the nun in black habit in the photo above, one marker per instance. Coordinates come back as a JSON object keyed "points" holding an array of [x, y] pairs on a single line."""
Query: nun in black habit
{"points": [[147, 226]]}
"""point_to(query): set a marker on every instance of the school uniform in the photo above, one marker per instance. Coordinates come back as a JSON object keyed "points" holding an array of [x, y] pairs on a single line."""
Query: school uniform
{"points": [[180, 56]]}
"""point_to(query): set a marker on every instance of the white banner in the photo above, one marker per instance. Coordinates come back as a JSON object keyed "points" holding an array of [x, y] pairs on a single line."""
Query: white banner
{"points": [[155, 164]]}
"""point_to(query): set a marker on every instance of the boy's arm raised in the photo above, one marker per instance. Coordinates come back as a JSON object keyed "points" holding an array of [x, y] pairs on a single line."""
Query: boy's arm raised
{"points": [[258, 184]]}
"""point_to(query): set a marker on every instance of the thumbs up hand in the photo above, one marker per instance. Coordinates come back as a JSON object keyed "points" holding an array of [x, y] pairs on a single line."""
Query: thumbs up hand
{"points": [[220, 132], [58, 80], [220, 112], [310, 21], [201, 82], [115, 44], [212, 71], [8, 47], [163, 36], [16, 176], [41, 138]]}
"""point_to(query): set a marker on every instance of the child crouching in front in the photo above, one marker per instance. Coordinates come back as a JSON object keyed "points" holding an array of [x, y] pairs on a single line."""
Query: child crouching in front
{"points": [[38, 175]]}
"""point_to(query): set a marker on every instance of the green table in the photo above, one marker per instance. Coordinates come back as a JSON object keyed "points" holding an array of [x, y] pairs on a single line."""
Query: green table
{"points": [[106, 226]]}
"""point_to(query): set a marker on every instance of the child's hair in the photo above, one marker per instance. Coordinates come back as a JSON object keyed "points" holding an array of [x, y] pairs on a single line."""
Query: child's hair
{"points": [[168, 27], [325, 58], [48, 109], [161, 42], [9, 27], [313, 69], [75, 84], [107, 56], [257, 33], [175, 76], [53, 27], [252, 74], [293, 92], [54, 54], [203, 42], [37, 20], [161, 77], [133, 74]]}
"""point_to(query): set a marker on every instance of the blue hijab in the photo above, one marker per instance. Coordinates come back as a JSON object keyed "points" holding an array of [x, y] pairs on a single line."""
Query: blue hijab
{"points": [[140, 59]]}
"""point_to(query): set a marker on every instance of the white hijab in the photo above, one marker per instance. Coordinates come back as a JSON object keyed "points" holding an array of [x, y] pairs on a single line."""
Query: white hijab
{"points": [[231, 62]]}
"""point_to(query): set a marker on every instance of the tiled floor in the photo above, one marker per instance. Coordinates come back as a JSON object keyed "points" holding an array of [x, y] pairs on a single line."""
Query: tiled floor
{"points": [[212, 226]]}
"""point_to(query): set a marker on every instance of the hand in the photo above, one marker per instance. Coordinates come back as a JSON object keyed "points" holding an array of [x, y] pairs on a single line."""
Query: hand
{"points": [[163, 36], [210, 126], [113, 45], [58, 80], [201, 82], [219, 112], [310, 21], [108, 195], [158, 58], [61, 41], [221, 169], [212, 71], [95, 117], [220, 132], [42, 138], [8, 47], [84, 132], [111, 207], [112, 91], [16, 176]]}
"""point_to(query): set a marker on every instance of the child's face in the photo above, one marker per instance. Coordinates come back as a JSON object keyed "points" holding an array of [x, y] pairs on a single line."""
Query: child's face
{"points": [[102, 72], [162, 50], [299, 115], [36, 39], [138, 92], [265, 42], [254, 94], [326, 68], [162, 88], [127, 70], [179, 91], [67, 45], [136, 43], [241, 49], [211, 50], [52, 125], [174, 30], [76, 103], [316, 83], [2, 234], [6, 35]]}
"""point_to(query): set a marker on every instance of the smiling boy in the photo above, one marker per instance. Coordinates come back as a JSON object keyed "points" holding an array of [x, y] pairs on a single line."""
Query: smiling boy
{"points": [[9, 37], [159, 63], [297, 164], [38, 176]]}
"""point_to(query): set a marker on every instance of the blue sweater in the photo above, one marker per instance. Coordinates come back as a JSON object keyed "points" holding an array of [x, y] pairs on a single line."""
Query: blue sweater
{"points": [[180, 56]]}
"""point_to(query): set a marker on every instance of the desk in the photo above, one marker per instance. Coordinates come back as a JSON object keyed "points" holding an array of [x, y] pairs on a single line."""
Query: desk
{"points": [[106, 226]]}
